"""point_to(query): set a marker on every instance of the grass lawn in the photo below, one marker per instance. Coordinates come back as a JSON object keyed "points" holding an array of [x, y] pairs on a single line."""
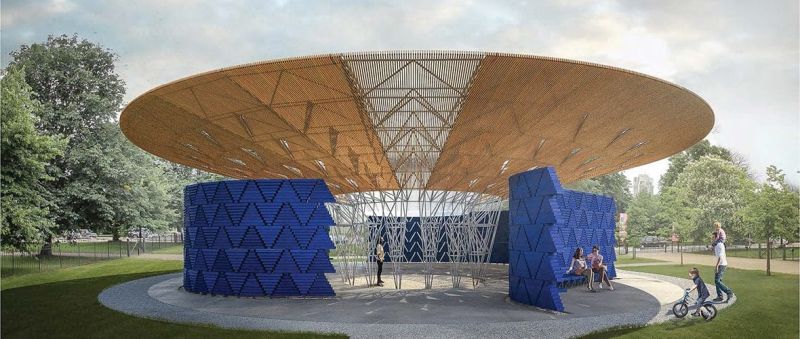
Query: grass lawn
{"points": [[777, 253], [767, 307], [628, 259], [63, 304], [176, 249], [27, 264], [109, 248]]}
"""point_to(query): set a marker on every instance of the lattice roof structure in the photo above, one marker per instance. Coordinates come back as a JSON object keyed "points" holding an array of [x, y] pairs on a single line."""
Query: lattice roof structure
{"points": [[450, 121]]}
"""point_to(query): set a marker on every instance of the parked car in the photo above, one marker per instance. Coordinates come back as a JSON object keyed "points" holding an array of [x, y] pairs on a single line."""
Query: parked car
{"points": [[654, 241], [135, 233], [87, 234]]}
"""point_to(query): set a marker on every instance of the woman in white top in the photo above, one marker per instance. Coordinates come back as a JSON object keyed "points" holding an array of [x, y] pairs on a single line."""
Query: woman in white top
{"points": [[578, 267]]}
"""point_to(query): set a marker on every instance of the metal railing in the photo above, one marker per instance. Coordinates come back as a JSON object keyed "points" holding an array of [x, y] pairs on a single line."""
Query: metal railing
{"points": [[755, 250], [75, 253]]}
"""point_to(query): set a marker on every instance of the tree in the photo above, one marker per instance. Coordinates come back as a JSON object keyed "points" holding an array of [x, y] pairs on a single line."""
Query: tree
{"points": [[772, 210], [117, 187], [80, 94], [615, 185], [676, 213], [678, 162], [25, 154], [715, 189], [644, 218], [76, 83]]}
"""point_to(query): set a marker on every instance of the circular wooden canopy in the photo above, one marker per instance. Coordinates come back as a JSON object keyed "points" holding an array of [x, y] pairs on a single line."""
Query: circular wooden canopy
{"points": [[455, 121]]}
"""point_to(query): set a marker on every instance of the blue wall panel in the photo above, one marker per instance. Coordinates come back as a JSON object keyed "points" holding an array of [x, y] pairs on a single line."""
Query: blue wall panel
{"points": [[413, 246], [258, 238], [546, 224]]}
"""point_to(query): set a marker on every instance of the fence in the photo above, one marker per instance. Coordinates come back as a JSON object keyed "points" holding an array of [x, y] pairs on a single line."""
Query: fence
{"points": [[69, 254], [755, 250]]}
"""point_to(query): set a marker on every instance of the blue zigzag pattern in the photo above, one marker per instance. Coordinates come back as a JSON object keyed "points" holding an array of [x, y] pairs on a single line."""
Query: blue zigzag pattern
{"points": [[258, 238], [546, 224]]}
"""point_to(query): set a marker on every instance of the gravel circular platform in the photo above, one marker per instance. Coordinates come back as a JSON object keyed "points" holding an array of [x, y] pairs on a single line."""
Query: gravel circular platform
{"points": [[386, 312]]}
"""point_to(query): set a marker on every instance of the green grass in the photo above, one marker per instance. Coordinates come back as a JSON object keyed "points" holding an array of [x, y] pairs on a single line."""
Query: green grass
{"points": [[107, 248], [767, 307], [176, 249], [628, 259], [63, 304], [69, 255], [100, 247], [777, 253], [27, 264]]}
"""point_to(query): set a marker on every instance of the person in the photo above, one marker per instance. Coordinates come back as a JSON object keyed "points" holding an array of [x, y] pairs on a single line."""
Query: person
{"points": [[720, 237], [599, 267], [379, 256], [700, 286], [719, 270], [578, 267]]}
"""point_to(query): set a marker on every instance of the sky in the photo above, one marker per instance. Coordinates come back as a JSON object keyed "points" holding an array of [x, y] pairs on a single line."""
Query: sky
{"points": [[741, 56]]}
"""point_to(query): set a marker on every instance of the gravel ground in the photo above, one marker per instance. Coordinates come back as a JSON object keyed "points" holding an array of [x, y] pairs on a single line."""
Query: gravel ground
{"points": [[135, 298]]}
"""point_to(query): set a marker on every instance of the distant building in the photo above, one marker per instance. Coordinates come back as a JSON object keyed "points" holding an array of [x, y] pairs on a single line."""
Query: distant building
{"points": [[642, 183]]}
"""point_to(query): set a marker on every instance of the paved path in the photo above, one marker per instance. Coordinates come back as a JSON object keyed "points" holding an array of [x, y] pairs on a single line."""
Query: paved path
{"points": [[790, 267], [366, 312]]}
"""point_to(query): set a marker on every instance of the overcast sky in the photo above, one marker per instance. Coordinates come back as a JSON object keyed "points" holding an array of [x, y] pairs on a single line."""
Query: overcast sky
{"points": [[740, 56]]}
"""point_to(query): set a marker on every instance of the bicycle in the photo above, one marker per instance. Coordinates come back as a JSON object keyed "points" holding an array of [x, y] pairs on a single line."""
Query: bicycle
{"points": [[708, 311]]}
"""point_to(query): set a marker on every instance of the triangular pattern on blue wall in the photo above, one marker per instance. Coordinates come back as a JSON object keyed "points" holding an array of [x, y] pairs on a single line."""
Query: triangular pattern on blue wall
{"points": [[258, 238], [546, 224]]}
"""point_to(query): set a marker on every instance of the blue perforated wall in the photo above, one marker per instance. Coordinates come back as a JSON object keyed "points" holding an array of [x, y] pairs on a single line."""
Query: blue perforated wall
{"points": [[546, 224], [258, 238]]}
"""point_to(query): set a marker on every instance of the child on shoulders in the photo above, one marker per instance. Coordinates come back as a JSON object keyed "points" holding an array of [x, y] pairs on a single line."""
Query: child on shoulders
{"points": [[721, 237]]}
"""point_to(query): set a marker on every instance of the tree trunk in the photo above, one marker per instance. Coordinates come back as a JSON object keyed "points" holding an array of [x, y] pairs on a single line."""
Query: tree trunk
{"points": [[47, 249], [769, 252]]}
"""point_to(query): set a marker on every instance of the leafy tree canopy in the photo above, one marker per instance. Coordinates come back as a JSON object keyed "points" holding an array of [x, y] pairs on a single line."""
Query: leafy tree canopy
{"points": [[772, 210], [678, 162], [615, 185], [76, 83], [715, 189], [25, 154]]}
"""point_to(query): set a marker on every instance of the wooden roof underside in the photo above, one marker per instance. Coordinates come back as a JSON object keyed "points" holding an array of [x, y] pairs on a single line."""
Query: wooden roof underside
{"points": [[460, 121]]}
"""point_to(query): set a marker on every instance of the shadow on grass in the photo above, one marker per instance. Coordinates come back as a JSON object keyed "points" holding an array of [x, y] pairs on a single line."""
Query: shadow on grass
{"points": [[617, 331], [69, 309]]}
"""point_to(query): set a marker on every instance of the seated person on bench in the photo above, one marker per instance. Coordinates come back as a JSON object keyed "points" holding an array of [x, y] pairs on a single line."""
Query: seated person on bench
{"points": [[596, 260], [578, 267]]}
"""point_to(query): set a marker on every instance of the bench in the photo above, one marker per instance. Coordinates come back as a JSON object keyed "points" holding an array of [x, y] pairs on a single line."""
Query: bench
{"points": [[569, 280]]}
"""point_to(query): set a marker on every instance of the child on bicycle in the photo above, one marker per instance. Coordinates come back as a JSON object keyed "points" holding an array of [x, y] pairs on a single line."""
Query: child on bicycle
{"points": [[700, 286]]}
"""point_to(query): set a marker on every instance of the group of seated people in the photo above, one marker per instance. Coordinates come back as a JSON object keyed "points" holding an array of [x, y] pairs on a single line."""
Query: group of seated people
{"points": [[588, 266]]}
